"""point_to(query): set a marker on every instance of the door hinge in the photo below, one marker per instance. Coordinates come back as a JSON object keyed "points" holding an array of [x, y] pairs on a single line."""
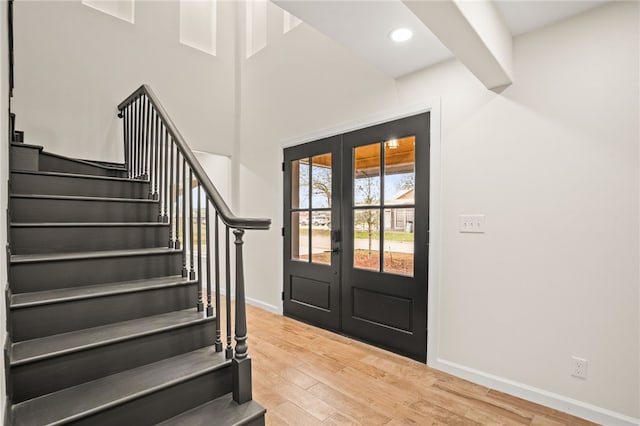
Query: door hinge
{"points": [[283, 231], [282, 294], [283, 166]]}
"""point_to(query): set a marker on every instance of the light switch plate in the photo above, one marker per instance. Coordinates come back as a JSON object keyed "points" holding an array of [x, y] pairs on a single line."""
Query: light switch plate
{"points": [[472, 223]]}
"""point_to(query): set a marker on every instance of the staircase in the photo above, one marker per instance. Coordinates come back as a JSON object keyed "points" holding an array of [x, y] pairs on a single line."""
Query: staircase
{"points": [[109, 318]]}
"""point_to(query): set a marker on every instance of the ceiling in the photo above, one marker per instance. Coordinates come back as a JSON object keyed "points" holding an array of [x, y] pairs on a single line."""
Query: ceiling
{"points": [[363, 27]]}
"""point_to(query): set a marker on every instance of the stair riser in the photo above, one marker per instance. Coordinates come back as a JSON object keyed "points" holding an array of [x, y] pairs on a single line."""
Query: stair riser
{"points": [[39, 378], [25, 158], [61, 239], [40, 276], [45, 320], [67, 185], [52, 210], [164, 404], [257, 422], [51, 163]]}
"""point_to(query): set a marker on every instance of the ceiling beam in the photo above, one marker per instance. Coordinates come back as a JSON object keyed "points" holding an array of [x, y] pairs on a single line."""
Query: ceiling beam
{"points": [[475, 33]]}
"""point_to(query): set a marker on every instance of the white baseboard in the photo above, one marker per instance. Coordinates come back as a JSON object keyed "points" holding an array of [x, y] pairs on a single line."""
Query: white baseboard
{"points": [[267, 307], [257, 303], [548, 399]]}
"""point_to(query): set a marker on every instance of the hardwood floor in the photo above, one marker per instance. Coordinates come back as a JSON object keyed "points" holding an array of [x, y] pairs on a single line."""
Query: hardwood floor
{"points": [[304, 375]]}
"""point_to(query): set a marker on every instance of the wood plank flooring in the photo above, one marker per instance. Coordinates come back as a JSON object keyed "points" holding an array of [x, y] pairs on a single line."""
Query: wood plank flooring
{"points": [[304, 375]]}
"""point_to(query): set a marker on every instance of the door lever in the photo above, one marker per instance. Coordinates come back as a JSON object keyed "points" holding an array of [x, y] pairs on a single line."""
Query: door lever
{"points": [[336, 250]]}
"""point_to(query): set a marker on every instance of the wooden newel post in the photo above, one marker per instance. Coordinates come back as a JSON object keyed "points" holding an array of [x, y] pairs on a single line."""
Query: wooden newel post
{"points": [[241, 362]]}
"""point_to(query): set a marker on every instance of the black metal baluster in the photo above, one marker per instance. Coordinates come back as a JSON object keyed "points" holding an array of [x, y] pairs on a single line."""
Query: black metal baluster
{"points": [[136, 131], [241, 365], [192, 272], [156, 152], [171, 221], [134, 148], [161, 170], [130, 117], [147, 154], [227, 299], [143, 106], [132, 132], [176, 243], [132, 137], [217, 278], [139, 142], [148, 147], [200, 304], [125, 126], [165, 170], [161, 190], [130, 113], [208, 230], [185, 270]]}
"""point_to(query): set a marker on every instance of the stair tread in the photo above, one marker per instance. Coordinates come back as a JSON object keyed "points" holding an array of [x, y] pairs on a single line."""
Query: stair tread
{"points": [[85, 224], [44, 257], [85, 162], [59, 344], [83, 198], [82, 400], [23, 300], [27, 145], [79, 175], [223, 409]]}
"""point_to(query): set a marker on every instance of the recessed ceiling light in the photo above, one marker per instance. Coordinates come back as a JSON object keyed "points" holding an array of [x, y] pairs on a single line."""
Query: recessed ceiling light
{"points": [[400, 35]]}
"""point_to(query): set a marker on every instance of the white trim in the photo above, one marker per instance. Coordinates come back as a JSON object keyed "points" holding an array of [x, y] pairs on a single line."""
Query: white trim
{"points": [[539, 396], [255, 302], [435, 231], [266, 306], [372, 120], [433, 106]]}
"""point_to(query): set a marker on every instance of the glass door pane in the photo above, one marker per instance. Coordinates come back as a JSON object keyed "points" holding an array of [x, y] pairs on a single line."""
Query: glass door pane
{"points": [[321, 237], [300, 184], [399, 171], [398, 241], [321, 181], [366, 175], [366, 239], [300, 236]]}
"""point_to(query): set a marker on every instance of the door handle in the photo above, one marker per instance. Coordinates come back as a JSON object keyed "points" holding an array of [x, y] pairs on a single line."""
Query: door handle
{"points": [[336, 250]]}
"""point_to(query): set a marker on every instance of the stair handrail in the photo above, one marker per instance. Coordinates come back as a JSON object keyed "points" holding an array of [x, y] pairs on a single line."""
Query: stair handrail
{"points": [[227, 216], [156, 153]]}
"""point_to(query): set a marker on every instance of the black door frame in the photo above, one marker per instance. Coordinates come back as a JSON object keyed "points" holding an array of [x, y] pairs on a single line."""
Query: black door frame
{"points": [[422, 230], [395, 292], [317, 301]]}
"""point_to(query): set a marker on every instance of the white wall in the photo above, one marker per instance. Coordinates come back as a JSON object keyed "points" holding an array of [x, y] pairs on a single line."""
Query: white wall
{"points": [[553, 162], [4, 175], [74, 64], [218, 168]]}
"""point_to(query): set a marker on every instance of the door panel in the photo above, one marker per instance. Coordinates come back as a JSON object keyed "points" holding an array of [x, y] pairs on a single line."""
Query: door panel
{"points": [[384, 285], [312, 223], [356, 234]]}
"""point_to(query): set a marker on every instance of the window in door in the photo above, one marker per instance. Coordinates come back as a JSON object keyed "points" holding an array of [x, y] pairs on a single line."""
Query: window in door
{"points": [[384, 206], [311, 188]]}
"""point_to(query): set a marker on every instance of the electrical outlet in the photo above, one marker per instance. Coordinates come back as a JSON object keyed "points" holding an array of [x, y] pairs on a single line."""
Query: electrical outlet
{"points": [[579, 367], [472, 223]]}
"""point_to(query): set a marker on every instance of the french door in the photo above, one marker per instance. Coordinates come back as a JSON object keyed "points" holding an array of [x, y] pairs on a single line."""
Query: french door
{"points": [[356, 234]]}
